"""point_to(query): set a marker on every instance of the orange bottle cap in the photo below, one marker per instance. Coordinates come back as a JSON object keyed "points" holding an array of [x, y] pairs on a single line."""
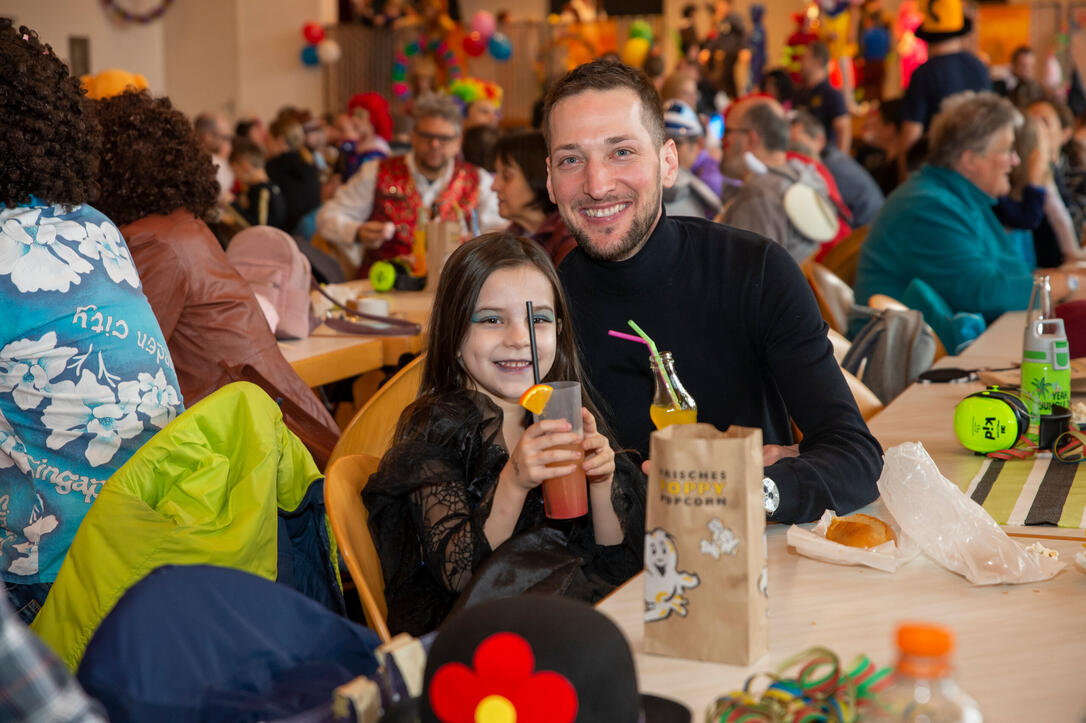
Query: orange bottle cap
{"points": [[925, 639]]}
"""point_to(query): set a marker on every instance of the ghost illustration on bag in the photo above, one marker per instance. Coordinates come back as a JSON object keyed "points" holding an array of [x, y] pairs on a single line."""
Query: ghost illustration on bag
{"points": [[664, 582]]}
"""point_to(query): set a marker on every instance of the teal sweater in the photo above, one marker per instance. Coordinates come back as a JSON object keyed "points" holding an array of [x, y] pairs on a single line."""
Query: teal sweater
{"points": [[941, 228]]}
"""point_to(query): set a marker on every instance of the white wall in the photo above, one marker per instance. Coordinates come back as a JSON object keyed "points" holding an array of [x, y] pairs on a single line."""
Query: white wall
{"points": [[270, 72], [113, 44], [200, 56]]}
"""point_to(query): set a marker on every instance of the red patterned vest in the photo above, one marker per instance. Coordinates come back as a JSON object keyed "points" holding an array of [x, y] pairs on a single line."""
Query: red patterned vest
{"points": [[397, 200]]}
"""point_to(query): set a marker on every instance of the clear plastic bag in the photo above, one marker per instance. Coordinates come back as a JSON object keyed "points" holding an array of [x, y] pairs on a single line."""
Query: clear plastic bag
{"points": [[887, 557], [950, 527]]}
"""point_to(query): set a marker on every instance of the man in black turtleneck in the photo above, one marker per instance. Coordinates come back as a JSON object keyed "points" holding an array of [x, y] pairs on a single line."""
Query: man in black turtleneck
{"points": [[733, 307]]}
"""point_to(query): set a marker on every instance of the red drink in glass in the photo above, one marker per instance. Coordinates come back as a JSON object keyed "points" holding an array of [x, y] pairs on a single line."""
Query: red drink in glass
{"points": [[566, 497]]}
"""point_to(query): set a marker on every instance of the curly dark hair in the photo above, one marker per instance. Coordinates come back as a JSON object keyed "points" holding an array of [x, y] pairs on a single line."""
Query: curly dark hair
{"points": [[48, 141], [151, 160]]}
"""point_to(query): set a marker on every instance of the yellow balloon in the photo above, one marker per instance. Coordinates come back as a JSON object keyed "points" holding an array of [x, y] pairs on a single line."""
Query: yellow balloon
{"points": [[635, 51]]}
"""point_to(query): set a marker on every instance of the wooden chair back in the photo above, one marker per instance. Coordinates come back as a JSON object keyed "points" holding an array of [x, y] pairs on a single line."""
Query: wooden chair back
{"points": [[869, 404], [841, 345], [843, 258], [343, 486], [833, 295], [370, 430]]}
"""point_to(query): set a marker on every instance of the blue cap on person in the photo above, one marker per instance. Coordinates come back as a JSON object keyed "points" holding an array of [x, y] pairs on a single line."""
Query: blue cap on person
{"points": [[540, 659], [680, 120]]}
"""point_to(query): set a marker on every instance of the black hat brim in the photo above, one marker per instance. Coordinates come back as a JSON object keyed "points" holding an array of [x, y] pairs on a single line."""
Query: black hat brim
{"points": [[656, 709], [664, 710], [929, 37]]}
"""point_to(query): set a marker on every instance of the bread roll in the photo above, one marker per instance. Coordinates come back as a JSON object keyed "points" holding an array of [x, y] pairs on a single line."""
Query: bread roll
{"points": [[860, 531]]}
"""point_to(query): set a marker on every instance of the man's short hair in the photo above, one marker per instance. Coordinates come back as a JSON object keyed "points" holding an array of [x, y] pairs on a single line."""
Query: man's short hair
{"points": [[891, 112], [289, 130], [1063, 112], [771, 126], [439, 105], [672, 87], [608, 75], [819, 51], [206, 123], [808, 123], [967, 122], [246, 150], [1019, 52]]}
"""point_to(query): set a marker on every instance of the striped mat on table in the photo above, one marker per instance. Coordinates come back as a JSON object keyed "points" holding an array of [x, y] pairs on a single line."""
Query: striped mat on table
{"points": [[1031, 491]]}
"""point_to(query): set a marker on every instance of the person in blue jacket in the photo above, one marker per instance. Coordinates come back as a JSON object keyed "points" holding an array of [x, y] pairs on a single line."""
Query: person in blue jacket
{"points": [[940, 225]]}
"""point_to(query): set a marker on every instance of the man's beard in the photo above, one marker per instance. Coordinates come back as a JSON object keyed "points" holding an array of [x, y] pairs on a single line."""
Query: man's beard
{"points": [[427, 168], [639, 231]]}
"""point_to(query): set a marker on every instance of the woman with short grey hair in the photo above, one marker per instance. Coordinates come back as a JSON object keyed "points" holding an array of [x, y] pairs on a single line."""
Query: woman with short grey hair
{"points": [[938, 235]]}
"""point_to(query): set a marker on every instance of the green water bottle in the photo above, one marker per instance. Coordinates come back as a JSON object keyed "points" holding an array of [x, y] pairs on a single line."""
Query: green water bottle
{"points": [[1046, 370]]}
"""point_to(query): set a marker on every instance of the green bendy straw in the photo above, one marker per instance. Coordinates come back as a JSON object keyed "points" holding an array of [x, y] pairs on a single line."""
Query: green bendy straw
{"points": [[659, 362]]}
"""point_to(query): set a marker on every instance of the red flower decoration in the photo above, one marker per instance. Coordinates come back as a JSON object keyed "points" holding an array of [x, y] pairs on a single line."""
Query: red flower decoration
{"points": [[502, 688]]}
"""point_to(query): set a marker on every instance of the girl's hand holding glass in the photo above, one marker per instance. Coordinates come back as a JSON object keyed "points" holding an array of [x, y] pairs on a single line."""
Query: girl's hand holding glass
{"points": [[545, 442], [599, 458]]}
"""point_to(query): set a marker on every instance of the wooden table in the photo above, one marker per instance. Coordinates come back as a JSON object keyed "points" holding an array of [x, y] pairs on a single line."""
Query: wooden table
{"points": [[925, 412], [1018, 645], [328, 355]]}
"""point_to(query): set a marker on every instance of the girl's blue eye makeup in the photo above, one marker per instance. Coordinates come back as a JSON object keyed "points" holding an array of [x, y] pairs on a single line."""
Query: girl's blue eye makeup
{"points": [[544, 317], [483, 317]]}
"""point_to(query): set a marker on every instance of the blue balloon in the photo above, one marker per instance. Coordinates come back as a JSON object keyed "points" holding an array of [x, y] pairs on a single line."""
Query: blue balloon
{"points": [[501, 47], [309, 55]]}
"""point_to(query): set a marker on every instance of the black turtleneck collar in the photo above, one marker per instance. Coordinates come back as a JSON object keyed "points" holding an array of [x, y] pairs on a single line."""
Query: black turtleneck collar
{"points": [[653, 263]]}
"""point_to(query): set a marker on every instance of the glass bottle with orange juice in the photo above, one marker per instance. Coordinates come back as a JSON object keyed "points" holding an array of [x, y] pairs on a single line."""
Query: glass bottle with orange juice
{"points": [[671, 403]]}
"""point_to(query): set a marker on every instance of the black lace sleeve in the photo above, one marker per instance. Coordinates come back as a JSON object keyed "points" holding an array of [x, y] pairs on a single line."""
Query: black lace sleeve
{"points": [[449, 525], [433, 491]]}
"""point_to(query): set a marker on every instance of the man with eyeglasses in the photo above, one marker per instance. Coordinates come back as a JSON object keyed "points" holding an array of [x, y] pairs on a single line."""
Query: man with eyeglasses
{"points": [[374, 215]]}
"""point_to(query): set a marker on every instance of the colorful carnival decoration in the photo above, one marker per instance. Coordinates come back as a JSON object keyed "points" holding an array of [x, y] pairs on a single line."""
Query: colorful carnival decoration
{"points": [[484, 23], [310, 57], [328, 51], [436, 47], [313, 33], [500, 46], [142, 18], [912, 51], [756, 43], [469, 90], [111, 82], [474, 44], [318, 48], [638, 44], [641, 29]]}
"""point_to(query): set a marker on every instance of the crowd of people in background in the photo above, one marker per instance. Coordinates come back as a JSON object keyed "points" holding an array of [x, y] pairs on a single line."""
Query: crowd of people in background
{"points": [[963, 187]]}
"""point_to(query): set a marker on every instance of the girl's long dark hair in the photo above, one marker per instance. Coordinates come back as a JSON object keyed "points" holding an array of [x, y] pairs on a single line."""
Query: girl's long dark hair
{"points": [[463, 276]]}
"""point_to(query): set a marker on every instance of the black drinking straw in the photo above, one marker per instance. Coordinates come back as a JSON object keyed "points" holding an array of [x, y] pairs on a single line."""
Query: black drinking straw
{"points": [[531, 338]]}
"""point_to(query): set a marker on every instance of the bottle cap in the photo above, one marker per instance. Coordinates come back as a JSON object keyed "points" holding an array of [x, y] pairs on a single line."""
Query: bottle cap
{"points": [[925, 639]]}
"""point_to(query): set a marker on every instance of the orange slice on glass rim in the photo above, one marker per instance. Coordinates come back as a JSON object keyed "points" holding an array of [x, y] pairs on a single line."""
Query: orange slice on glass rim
{"points": [[535, 397]]}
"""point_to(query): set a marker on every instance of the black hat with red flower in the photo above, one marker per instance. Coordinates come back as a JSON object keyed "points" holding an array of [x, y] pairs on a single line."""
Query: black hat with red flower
{"points": [[536, 659]]}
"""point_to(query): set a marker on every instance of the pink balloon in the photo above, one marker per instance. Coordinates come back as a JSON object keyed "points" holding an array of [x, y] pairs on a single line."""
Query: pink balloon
{"points": [[313, 33], [483, 22]]}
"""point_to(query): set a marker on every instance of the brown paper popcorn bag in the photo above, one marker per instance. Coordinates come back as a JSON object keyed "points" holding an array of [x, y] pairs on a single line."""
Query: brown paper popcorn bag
{"points": [[442, 238], [706, 591]]}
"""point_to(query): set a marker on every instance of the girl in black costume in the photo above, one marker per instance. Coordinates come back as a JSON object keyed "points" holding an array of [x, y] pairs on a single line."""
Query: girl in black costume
{"points": [[463, 475]]}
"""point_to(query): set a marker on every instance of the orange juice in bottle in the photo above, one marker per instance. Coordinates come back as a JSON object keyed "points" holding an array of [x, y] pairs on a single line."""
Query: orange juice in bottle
{"points": [[671, 403]]}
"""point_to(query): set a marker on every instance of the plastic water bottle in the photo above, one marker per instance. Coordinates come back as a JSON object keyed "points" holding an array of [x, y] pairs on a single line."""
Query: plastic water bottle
{"points": [[924, 689], [1046, 370]]}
